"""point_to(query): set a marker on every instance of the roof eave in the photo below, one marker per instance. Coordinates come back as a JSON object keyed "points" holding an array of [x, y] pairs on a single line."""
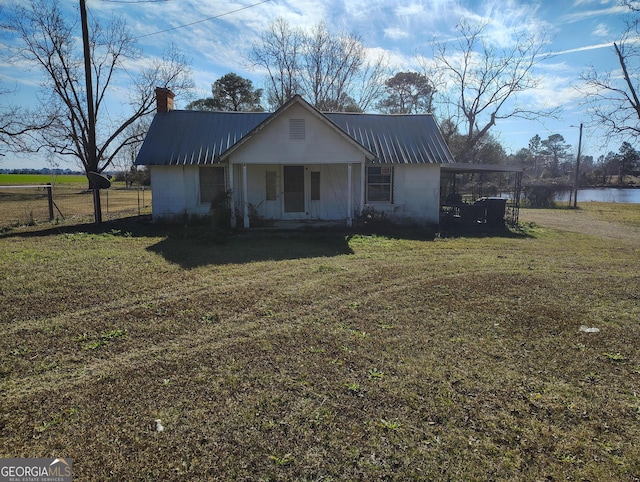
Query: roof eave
{"points": [[312, 110]]}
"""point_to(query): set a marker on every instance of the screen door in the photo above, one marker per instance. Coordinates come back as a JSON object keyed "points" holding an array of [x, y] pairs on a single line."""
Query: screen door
{"points": [[294, 189]]}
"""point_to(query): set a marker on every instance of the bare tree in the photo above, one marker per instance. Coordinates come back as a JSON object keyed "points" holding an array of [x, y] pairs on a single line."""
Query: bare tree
{"points": [[371, 83], [50, 42], [18, 126], [278, 53], [481, 82], [612, 96], [126, 157], [331, 71], [631, 4], [330, 65]]}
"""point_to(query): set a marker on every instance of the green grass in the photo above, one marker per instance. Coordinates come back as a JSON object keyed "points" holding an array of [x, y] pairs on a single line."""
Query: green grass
{"points": [[624, 213], [29, 206], [322, 356], [32, 179]]}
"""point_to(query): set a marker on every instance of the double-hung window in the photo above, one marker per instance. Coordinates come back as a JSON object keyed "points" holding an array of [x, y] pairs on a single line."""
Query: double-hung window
{"points": [[212, 183], [379, 183]]}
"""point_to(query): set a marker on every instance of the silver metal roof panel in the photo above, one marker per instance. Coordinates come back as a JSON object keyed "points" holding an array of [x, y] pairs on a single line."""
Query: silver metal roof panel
{"points": [[183, 137], [201, 137]]}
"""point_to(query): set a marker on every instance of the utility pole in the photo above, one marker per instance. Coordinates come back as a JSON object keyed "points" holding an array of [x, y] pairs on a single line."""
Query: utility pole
{"points": [[91, 148], [575, 180]]}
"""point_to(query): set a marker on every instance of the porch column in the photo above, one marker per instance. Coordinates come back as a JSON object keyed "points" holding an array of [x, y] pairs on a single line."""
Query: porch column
{"points": [[245, 196], [349, 197], [363, 173], [232, 202]]}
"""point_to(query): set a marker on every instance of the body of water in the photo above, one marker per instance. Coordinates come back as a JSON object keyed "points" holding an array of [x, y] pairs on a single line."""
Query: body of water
{"points": [[604, 194]]}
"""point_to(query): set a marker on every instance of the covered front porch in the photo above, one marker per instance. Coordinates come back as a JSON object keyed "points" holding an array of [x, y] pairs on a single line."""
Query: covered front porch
{"points": [[296, 192]]}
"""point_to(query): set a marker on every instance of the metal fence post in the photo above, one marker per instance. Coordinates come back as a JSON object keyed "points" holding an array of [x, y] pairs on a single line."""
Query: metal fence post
{"points": [[50, 198]]}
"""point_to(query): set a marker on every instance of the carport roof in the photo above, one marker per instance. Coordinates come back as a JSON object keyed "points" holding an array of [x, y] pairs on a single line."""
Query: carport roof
{"points": [[468, 167]]}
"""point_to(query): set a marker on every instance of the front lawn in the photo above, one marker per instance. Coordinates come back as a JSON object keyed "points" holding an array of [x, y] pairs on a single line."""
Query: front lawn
{"points": [[323, 356]]}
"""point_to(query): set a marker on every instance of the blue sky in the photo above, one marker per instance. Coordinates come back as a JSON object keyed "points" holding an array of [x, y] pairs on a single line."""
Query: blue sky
{"points": [[582, 33]]}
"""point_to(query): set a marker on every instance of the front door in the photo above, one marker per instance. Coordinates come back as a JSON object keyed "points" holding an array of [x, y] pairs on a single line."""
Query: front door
{"points": [[294, 189]]}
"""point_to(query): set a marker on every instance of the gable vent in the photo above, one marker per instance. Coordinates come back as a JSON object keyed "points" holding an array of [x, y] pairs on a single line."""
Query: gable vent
{"points": [[296, 129]]}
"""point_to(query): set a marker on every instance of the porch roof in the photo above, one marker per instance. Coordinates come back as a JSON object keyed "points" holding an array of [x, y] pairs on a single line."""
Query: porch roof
{"points": [[202, 137]]}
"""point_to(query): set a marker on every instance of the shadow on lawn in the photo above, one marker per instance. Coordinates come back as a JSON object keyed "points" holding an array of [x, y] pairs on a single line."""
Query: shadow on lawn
{"points": [[194, 245], [137, 226], [193, 252]]}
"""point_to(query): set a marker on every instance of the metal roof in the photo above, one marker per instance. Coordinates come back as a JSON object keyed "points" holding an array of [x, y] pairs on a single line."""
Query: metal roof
{"points": [[184, 137], [397, 139], [469, 167], [201, 137]]}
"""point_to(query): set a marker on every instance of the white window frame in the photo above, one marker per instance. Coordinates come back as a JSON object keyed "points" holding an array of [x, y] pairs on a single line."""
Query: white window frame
{"points": [[209, 190], [383, 171]]}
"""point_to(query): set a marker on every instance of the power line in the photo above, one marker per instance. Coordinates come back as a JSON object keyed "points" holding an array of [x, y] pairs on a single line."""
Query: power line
{"points": [[198, 21]]}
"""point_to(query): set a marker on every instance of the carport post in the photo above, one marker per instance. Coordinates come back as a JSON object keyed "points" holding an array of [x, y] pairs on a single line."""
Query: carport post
{"points": [[232, 203], [245, 200], [349, 197], [363, 173]]}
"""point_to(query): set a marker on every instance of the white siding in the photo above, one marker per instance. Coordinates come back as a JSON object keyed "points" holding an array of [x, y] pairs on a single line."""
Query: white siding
{"points": [[416, 194], [333, 191], [176, 192], [416, 191], [321, 145]]}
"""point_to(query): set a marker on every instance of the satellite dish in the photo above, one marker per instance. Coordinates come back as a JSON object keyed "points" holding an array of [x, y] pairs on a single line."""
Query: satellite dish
{"points": [[99, 181]]}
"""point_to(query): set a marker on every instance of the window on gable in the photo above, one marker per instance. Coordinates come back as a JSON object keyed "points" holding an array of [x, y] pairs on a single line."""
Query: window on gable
{"points": [[212, 183], [297, 129], [379, 183]]}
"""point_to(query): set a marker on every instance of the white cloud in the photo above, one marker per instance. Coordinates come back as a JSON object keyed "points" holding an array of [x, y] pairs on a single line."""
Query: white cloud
{"points": [[509, 18], [595, 13], [396, 59], [601, 30], [410, 10], [584, 48], [553, 92], [579, 3], [395, 33]]}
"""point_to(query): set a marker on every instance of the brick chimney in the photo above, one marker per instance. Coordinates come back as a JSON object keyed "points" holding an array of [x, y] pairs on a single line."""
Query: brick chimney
{"points": [[164, 99]]}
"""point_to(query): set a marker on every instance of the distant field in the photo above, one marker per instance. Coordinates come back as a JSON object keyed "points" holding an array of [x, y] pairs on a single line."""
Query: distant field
{"points": [[29, 179], [29, 205]]}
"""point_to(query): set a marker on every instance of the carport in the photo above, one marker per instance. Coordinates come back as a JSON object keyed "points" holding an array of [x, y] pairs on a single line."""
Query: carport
{"points": [[480, 193]]}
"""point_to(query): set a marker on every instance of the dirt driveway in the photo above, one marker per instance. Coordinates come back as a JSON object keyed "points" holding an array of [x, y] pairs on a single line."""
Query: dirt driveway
{"points": [[580, 222]]}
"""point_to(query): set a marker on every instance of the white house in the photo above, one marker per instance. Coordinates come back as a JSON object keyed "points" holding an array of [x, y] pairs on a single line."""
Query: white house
{"points": [[294, 164]]}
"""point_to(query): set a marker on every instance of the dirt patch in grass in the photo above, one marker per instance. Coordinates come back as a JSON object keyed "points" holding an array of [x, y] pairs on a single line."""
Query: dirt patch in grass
{"points": [[326, 357]]}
